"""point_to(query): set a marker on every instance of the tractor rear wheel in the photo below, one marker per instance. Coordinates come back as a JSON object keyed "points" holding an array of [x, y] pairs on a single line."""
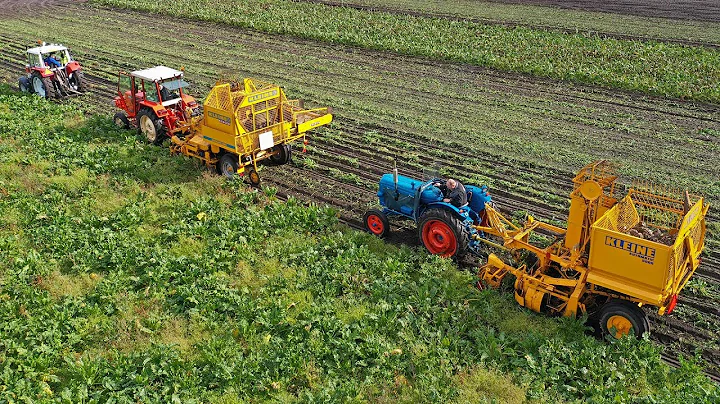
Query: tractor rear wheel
{"points": [[24, 85], [621, 317], [376, 222], [43, 86], [228, 164], [283, 156], [77, 81], [149, 127], [443, 234], [121, 120]]}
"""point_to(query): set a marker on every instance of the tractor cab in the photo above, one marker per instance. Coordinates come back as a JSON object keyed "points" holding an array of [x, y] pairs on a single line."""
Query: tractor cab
{"points": [[154, 101], [37, 57]]}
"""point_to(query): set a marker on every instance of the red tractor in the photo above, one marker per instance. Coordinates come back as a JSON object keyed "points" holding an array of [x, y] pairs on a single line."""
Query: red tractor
{"points": [[153, 101], [52, 72]]}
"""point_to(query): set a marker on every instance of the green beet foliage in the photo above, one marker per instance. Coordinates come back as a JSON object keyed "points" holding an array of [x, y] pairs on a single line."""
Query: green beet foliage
{"points": [[128, 275]]}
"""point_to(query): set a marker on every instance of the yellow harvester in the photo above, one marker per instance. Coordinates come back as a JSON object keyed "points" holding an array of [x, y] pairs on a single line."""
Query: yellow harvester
{"points": [[616, 255], [245, 123]]}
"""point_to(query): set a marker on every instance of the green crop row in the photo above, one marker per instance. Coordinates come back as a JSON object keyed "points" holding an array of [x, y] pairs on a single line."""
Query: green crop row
{"points": [[556, 18], [128, 275], [652, 67]]}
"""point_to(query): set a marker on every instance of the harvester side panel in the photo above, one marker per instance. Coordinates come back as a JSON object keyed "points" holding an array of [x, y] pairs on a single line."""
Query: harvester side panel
{"points": [[643, 269], [688, 246], [218, 137]]}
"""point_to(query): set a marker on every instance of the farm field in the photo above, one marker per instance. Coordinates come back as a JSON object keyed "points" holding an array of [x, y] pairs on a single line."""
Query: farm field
{"points": [[703, 33], [522, 136], [128, 275], [653, 67]]}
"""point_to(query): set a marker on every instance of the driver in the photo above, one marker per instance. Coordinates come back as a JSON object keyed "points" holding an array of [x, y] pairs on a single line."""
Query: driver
{"points": [[52, 61], [454, 192], [164, 93]]}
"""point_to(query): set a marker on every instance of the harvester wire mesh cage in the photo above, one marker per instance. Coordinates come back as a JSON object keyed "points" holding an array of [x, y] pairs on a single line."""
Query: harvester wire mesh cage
{"points": [[661, 206], [602, 172]]}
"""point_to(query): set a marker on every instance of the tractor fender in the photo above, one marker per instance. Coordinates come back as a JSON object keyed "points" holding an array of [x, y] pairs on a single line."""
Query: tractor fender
{"points": [[72, 66], [43, 71], [159, 110], [461, 213]]}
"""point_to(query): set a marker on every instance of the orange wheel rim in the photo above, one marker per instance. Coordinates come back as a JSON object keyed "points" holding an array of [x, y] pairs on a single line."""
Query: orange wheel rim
{"points": [[375, 224], [439, 238], [618, 326]]}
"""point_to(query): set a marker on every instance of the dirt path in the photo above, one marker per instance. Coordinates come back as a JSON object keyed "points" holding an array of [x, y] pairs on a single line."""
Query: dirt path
{"points": [[523, 136]]}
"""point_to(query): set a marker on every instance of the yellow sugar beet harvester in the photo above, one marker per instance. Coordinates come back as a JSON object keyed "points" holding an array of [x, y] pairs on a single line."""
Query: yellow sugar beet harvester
{"points": [[245, 123], [600, 264]]}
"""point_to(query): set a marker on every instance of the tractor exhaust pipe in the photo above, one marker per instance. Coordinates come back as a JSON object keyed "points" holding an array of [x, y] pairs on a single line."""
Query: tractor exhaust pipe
{"points": [[395, 180]]}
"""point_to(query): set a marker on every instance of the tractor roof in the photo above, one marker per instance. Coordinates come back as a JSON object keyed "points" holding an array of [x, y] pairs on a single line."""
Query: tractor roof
{"points": [[157, 73], [41, 50]]}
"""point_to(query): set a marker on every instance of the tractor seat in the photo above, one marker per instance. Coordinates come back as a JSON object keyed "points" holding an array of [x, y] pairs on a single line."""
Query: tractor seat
{"points": [[140, 95]]}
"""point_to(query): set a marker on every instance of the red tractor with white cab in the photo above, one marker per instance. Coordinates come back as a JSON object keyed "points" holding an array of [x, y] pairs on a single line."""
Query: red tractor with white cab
{"points": [[52, 72], [153, 101]]}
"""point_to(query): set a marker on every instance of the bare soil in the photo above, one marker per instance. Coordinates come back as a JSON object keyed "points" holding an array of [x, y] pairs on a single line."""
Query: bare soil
{"points": [[15, 7], [700, 10]]}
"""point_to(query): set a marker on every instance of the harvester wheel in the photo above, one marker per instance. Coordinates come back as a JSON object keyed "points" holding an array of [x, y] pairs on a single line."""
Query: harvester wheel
{"points": [[121, 120], [376, 222], [24, 85], [283, 156], [43, 86], [77, 81], [253, 177], [620, 317], [443, 234], [148, 127], [228, 165]]}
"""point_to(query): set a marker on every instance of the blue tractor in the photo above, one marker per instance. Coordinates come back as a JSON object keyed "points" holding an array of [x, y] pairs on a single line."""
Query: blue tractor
{"points": [[443, 228]]}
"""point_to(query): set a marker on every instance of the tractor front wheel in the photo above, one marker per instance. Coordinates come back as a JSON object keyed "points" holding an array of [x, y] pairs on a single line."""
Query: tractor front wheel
{"points": [[148, 127], [24, 85], [121, 120], [443, 234], [43, 86], [228, 165], [376, 222], [621, 317], [283, 156]]}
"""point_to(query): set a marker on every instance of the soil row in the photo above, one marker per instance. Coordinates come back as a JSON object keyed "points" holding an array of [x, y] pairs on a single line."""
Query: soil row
{"points": [[701, 10]]}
